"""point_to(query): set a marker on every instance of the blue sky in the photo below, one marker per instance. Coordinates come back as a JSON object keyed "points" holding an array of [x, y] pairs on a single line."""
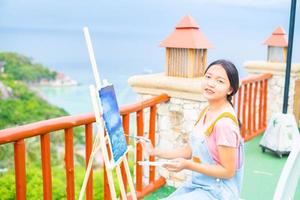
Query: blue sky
{"points": [[48, 14], [236, 28], [126, 35]]}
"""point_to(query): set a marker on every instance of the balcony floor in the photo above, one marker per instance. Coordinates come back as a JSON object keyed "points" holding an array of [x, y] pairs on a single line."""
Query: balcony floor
{"points": [[262, 171]]}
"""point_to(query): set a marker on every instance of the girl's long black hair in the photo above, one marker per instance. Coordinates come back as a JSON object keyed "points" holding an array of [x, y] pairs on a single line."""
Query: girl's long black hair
{"points": [[233, 76]]}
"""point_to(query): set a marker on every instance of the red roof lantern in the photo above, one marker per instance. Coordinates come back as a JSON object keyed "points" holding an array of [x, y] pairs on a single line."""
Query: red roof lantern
{"points": [[187, 35], [277, 45], [186, 49]]}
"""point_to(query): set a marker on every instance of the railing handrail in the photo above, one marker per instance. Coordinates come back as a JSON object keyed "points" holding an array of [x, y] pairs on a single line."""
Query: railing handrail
{"points": [[39, 128], [256, 78], [143, 104]]}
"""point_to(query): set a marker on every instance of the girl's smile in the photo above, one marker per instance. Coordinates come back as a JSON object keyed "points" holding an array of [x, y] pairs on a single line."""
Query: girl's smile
{"points": [[209, 91]]}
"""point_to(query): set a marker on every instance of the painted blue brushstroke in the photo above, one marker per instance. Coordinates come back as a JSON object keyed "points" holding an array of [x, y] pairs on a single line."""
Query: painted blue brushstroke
{"points": [[112, 120]]}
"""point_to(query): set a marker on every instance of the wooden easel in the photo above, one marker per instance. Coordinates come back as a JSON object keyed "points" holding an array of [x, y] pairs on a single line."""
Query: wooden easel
{"points": [[102, 141]]}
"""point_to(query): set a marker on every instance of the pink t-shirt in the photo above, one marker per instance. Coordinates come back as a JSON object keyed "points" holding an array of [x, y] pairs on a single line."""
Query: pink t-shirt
{"points": [[226, 133]]}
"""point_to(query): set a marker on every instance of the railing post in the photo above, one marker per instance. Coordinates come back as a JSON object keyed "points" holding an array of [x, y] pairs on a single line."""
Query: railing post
{"points": [[69, 163], [250, 110], [125, 120], [245, 99], [139, 153], [239, 102], [88, 150], [260, 114], [20, 169], [265, 102], [46, 166], [254, 106], [106, 192], [152, 138]]}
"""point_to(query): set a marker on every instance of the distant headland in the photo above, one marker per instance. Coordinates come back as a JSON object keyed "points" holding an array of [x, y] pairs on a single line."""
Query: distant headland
{"points": [[22, 68]]}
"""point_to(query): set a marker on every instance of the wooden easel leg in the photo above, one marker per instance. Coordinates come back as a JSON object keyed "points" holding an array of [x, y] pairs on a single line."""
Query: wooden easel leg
{"points": [[111, 184], [95, 148], [129, 178], [121, 183]]}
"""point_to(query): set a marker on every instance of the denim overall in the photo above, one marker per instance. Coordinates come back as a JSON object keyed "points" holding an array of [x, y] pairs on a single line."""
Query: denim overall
{"points": [[203, 187]]}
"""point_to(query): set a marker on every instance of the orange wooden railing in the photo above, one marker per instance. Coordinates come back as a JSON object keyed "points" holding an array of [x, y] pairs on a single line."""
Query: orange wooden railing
{"points": [[251, 105], [43, 129]]}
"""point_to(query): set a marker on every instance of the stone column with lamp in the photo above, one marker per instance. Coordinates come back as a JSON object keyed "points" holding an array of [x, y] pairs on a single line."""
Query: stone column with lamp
{"points": [[186, 60], [276, 63]]}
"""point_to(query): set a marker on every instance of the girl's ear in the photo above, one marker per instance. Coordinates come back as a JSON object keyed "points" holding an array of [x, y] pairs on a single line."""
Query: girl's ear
{"points": [[230, 91]]}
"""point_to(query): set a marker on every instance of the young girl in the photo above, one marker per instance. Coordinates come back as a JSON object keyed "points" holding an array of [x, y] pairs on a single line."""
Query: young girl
{"points": [[215, 149]]}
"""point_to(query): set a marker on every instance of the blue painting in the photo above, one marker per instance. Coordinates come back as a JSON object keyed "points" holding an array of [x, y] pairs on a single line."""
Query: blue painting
{"points": [[113, 122]]}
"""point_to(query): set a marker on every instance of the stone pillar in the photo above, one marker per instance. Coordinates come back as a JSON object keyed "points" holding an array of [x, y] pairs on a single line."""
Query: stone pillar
{"points": [[176, 118], [276, 86], [186, 56]]}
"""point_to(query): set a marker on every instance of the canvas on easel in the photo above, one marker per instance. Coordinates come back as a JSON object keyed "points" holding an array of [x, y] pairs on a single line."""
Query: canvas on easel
{"points": [[113, 122], [108, 118]]}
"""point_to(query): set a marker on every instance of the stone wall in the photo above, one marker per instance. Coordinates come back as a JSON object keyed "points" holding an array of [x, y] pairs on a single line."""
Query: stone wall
{"points": [[276, 86], [175, 121]]}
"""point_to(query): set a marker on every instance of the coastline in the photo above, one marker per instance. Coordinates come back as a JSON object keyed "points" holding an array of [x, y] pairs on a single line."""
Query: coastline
{"points": [[61, 80]]}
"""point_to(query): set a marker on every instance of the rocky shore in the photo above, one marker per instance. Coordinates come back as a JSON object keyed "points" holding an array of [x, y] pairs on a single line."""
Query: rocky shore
{"points": [[60, 80]]}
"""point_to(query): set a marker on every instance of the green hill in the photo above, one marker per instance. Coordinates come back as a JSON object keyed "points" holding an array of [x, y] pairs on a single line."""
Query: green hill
{"points": [[23, 106], [22, 68]]}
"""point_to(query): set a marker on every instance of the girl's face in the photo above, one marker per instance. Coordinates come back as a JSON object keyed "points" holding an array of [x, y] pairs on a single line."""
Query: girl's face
{"points": [[215, 84]]}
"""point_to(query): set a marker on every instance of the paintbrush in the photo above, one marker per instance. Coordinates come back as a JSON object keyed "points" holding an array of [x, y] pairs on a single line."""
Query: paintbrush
{"points": [[139, 138]]}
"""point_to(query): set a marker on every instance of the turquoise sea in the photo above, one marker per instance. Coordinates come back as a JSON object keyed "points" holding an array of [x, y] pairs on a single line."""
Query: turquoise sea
{"points": [[126, 36]]}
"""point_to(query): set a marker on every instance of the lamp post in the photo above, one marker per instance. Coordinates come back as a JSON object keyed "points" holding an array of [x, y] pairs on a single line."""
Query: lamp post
{"points": [[289, 56]]}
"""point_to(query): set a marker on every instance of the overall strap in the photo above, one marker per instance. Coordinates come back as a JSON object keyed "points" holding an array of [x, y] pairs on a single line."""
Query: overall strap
{"points": [[223, 115], [201, 114]]}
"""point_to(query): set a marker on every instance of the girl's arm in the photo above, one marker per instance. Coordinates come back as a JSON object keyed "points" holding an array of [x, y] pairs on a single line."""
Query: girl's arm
{"points": [[184, 152], [226, 169]]}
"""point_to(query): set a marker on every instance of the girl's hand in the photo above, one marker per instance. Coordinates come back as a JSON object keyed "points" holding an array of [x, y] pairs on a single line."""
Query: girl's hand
{"points": [[147, 147], [178, 165]]}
